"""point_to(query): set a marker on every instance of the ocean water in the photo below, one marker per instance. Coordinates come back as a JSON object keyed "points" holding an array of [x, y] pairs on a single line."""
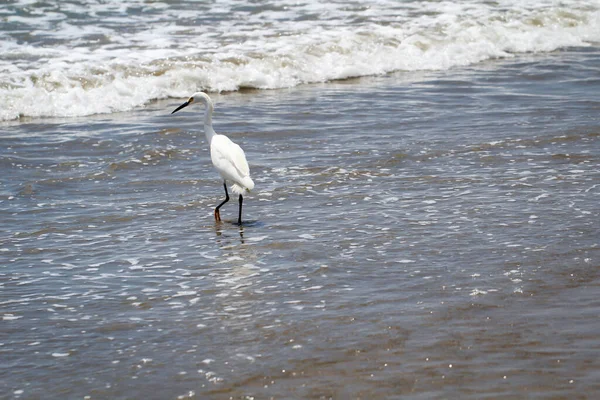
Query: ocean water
{"points": [[81, 58], [424, 222]]}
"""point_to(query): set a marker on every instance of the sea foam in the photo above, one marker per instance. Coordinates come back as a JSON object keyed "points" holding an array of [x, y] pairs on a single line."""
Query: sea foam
{"points": [[113, 60]]}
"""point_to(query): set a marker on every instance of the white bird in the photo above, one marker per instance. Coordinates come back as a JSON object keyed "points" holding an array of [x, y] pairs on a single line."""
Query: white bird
{"points": [[227, 157]]}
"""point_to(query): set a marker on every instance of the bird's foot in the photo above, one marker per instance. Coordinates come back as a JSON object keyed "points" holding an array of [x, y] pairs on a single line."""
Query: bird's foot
{"points": [[217, 216]]}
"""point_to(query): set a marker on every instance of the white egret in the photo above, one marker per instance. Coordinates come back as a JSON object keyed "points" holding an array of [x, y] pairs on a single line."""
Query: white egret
{"points": [[227, 157]]}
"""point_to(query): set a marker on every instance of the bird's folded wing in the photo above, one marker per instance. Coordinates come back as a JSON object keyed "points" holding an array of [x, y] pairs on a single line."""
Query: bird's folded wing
{"points": [[228, 156]]}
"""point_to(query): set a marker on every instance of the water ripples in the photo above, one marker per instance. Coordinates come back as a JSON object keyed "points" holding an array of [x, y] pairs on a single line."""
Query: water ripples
{"points": [[386, 250]]}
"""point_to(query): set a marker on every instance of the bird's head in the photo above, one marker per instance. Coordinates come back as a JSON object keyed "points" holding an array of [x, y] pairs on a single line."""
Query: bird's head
{"points": [[199, 96]]}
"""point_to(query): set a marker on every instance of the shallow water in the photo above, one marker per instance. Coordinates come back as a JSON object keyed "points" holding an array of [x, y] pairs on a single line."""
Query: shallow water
{"points": [[432, 235]]}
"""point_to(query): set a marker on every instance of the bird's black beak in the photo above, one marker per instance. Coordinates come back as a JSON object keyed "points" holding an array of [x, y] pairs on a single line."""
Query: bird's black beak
{"points": [[187, 103]]}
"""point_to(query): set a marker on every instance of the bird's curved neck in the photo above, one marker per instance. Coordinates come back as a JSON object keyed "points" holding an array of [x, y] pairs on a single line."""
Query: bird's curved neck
{"points": [[208, 129]]}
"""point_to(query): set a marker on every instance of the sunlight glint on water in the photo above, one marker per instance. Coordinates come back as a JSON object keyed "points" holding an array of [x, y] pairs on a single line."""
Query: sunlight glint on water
{"points": [[425, 234]]}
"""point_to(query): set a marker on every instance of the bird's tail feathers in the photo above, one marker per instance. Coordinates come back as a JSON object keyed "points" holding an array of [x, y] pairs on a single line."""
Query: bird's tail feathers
{"points": [[248, 185]]}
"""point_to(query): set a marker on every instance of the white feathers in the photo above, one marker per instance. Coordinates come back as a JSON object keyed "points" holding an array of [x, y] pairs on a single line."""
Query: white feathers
{"points": [[237, 189], [229, 159]]}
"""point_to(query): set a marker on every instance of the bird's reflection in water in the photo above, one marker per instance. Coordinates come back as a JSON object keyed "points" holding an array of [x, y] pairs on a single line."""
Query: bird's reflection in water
{"points": [[223, 238]]}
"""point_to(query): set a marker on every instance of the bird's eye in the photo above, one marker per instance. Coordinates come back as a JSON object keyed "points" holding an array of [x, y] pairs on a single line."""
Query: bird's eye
{"points": [[191, 100]]}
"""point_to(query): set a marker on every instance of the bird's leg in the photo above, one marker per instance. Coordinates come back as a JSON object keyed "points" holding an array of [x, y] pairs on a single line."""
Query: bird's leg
{"points": [[241, 200], [217, 214]]}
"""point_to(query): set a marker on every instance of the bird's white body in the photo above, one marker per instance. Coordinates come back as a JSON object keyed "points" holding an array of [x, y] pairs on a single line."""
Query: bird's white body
{"points": [[227, 157]]}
